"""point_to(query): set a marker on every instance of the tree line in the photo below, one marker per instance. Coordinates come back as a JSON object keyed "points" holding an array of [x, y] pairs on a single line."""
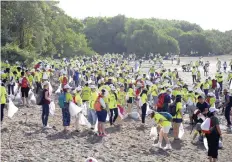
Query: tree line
{"points": [[41, 29]]}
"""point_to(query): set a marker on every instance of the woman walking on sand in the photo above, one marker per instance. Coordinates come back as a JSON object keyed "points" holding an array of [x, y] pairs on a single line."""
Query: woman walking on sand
{"points": [[214, 135], [45, 105]]}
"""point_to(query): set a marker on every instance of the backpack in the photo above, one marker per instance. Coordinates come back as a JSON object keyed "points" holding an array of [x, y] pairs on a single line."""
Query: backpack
{"points": [[65, 80], [160, 102], [40, 97], [24, 82], [167, 115], [61, 100], [97, 105], [172, 109]]}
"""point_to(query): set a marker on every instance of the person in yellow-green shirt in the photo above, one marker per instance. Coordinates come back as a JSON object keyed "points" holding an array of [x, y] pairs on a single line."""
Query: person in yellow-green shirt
{"points": [[121, 97], [144, 99], [164, 126], [38, 79], [112, 102], [86, 92], [153, 90], [130, 96], [178, 118], [78, 102], [206, 87], [92, 116], [65, 110], [3, 96]]}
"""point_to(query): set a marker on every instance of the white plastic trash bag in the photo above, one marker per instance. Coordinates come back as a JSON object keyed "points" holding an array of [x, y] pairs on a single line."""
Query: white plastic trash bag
{"points": [[50, 88], [59, 89], [83, 120], [70, 79], [181, 131], [231, 85], [206, 143], [149, 111], [96, 127], [84, 109], [18, 97], [15, 88], [153, 132], [205, 126], [134, 115], [52, 108], [74, 109], [11, 97], [220, 144], [33, 99], [12, 109]]}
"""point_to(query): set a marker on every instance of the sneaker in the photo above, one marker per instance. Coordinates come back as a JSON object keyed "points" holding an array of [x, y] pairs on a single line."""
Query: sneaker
{"points": [[168, 147], [157, 145], [47, 127]]}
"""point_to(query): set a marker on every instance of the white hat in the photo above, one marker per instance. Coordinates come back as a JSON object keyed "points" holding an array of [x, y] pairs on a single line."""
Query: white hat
{"points": [[175, 86], [79, 88], [92, 86], [213, 109], [169, 90], [113, 88], [139, 77], [67, 87], [210, 94]]}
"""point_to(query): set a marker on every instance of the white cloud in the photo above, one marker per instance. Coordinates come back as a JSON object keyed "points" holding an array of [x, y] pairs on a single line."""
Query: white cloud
{"points": [[216, 14]]}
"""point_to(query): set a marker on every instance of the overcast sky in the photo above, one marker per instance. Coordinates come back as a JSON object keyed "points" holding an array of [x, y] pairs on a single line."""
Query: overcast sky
{"points": [[209, 14]]}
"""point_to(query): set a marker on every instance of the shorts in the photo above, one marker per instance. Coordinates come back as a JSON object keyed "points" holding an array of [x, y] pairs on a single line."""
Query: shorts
{"points": [[25, 91], [130, 100], [101, 115], [166, 129], [178, 121]]}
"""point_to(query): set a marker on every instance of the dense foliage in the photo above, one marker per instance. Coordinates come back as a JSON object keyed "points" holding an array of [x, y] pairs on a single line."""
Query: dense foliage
{"points": [[42, 29]]}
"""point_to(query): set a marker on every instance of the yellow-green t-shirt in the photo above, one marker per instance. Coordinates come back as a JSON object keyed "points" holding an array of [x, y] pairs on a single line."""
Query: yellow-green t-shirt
{"points": [[121, 98], [68, 97], [3, 95], [144, 98], [86, 92], [78, 99], [178, 111], [112, 101], [93, 98], [130, 92], [164, 123]]}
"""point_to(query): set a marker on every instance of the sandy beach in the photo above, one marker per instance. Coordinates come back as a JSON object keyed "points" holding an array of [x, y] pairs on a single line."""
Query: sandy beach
{"points": [[24, 140]]}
